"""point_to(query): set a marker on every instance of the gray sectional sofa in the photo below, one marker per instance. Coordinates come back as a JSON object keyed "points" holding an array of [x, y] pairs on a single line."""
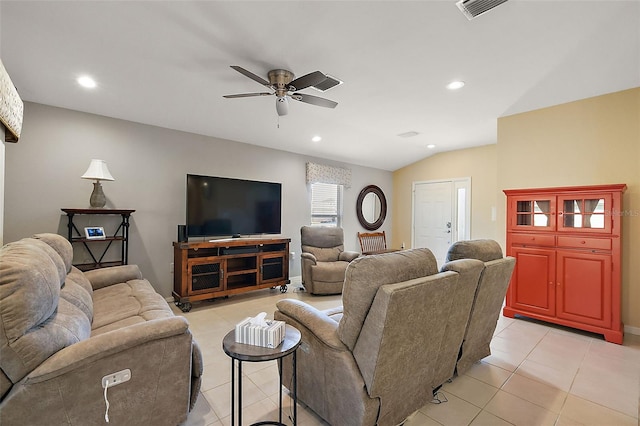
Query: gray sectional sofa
{"points": [[62, 331]]}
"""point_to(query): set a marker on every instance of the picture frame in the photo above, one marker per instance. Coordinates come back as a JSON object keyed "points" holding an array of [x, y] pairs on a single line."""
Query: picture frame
{"points": [[94, 233]]}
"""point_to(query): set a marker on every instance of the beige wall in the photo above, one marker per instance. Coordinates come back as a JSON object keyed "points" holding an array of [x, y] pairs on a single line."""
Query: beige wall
{"points": [[477, 163], [587, 142]]}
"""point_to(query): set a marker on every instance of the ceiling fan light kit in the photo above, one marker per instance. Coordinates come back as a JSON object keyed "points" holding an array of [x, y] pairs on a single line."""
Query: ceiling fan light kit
{"points": [[282, 105], [283, 82]]}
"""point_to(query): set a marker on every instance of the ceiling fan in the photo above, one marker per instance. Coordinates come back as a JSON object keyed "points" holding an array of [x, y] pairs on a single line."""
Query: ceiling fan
{"points": [[282, 83]]}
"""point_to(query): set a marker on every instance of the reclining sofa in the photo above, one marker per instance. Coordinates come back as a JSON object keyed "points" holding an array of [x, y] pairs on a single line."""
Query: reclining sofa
{"points": [[489, 298], [396, 339], [62, 331]]}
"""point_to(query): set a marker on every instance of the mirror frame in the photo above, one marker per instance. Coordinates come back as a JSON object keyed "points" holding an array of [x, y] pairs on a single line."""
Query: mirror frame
{"points": [[371, 226]]}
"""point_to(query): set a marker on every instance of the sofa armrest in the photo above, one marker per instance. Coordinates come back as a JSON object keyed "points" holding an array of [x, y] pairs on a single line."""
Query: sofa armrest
{"points": [[105, 277], [348, 256], [107, 344], [319, 323]]}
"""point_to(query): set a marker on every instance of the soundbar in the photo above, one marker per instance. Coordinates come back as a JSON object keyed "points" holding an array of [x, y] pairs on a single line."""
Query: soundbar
{"points": [[239, 250]]}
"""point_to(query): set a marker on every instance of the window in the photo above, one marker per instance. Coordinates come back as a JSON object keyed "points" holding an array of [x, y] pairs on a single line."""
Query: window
{"points": [[326, 204]]}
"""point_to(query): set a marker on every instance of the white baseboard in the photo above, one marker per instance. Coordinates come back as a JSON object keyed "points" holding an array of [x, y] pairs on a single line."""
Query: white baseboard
{"points": [[632, 330]]}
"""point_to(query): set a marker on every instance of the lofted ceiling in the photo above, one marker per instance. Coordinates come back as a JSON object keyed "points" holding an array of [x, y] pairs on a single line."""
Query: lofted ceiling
{"points": [[167, 63]]}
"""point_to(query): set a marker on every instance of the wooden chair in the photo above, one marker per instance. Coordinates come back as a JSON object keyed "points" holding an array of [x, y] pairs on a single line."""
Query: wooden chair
{"points": [[372, 242]]}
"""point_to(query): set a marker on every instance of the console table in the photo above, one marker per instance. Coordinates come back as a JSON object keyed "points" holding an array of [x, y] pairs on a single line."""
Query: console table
{"points": [[220, 268], [241, 352], [121, 235]]}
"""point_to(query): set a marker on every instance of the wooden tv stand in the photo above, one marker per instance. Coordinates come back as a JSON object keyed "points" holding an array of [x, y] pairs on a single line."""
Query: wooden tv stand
{"points": [[219, 268]]}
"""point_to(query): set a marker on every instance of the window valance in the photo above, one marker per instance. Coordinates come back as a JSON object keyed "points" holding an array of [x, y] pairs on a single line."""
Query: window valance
{"points": [[328, 174]]}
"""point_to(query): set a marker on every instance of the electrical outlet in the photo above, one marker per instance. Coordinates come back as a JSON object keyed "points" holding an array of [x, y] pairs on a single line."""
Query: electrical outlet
{"points": [[171, 268], [116, 378]]}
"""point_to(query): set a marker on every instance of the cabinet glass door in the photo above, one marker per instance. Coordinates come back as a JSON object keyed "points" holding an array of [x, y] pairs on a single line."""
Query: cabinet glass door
{"points": [[272, 268], [589, 214], [204, 275], [532, 213]]}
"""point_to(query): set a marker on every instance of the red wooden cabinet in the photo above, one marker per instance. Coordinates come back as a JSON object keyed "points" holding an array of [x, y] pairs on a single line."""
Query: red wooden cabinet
{"points": [[566, 242]]}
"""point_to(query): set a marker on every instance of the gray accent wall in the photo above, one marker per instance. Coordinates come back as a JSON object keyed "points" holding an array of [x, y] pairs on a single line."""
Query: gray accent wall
{"points": [[149, 164], [2, 180]]}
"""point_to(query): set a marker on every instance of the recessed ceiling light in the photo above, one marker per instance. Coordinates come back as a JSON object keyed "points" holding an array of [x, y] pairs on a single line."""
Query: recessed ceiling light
{"points": [[431, 146], [86, 81], [316, 139], [455, 85]]}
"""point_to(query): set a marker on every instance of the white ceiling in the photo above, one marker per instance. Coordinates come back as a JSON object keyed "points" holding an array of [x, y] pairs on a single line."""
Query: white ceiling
{"points": [[167, 64]]}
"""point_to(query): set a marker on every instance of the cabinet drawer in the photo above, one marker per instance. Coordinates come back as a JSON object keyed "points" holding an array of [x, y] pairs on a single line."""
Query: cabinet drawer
{"points": [[533, 240], [590, 243]]}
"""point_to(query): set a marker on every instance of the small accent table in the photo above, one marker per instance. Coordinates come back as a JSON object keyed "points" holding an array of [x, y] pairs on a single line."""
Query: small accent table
{"points": [[121, 235], [242, 352]]}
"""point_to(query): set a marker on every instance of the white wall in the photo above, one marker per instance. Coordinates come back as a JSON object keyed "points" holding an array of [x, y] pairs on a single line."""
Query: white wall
{"points": [[150, 165]]}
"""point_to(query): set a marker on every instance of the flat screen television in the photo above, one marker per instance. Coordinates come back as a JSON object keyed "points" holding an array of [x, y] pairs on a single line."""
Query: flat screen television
{"points": [[219, 206]]}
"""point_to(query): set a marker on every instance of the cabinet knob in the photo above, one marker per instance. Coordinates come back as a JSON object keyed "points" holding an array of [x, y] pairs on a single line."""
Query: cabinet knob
{"points": [[583, 242]]}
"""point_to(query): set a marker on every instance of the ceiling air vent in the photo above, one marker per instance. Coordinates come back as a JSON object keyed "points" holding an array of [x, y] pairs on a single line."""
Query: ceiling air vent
{"points": [[409, 134], [473, 8], [327, 83]]}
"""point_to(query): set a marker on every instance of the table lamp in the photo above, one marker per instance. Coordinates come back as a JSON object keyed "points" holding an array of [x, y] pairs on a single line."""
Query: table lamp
{"points": [[97, 170]]}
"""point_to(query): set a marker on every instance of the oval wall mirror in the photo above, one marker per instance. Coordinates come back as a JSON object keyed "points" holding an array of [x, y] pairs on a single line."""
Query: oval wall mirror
{"points": [[371, 207]]}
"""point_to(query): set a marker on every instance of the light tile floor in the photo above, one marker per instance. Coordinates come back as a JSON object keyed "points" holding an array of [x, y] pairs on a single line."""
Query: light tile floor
{"points": [[538, 374]]}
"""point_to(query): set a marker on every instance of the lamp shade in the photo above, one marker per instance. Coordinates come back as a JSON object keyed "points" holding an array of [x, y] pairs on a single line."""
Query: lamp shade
{"points": [[97, 170]]}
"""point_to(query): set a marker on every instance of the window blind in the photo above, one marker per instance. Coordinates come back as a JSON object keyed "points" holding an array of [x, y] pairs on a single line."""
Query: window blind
{"points": [[325, 204]]}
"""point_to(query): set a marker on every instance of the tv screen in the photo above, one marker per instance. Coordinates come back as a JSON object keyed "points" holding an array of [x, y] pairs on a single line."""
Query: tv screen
{"points": [[218, 206]]}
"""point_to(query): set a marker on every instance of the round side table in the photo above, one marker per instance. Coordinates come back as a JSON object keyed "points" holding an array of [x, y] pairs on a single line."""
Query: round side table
{"points": [[241, 352]]}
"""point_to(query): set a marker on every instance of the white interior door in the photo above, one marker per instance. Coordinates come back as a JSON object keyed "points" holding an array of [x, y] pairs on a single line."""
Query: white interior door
{"points": [[441, 212]]}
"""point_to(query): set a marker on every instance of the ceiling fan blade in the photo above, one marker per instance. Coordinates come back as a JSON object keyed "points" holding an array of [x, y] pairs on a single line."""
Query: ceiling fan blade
{"points": [[247, 95], [251, 75], [307, 80], [314, 100]]}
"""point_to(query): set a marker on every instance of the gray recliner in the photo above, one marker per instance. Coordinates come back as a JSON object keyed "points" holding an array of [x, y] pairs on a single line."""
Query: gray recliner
{"points": [[488, 300], [324, 260]]}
